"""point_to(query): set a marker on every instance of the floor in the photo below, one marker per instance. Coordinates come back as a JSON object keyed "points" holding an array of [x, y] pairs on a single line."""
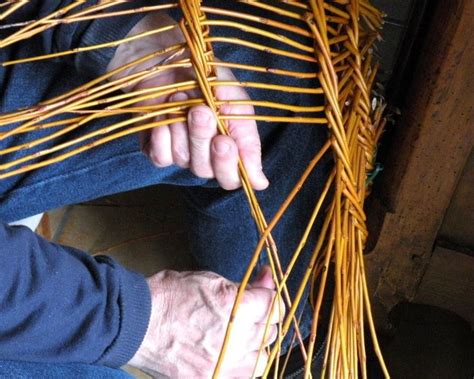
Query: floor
{"points": [[142, 229]]}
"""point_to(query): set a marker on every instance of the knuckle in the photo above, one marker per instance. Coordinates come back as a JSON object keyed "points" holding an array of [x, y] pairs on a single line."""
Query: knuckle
{"points": [[250, 143], [201, 123], [230, 186], [181, 155], [200, 145], [160, 160], [202, 172], [225, 291]]}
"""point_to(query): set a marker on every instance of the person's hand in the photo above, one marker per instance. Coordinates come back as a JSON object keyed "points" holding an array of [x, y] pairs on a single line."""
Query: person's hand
{"points": [[190, 312], [196, 144]]}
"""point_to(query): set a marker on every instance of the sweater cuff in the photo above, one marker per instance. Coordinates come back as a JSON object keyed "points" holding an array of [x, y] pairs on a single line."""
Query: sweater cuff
{"points": [[106, 30], [135, 311]]}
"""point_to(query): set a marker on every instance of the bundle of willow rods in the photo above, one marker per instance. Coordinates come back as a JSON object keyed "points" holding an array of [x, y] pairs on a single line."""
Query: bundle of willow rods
{"points": [[342, 33]]}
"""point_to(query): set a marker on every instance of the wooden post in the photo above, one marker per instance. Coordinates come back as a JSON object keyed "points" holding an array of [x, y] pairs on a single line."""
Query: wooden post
{"points": [[432, 142]]}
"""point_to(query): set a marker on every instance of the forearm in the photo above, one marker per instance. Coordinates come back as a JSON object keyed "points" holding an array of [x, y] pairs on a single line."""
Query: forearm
{"points": [[58, 304]]}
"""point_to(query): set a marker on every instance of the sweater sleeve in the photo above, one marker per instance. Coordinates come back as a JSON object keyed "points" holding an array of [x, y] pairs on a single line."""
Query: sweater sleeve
{"points": [[58, 304]]}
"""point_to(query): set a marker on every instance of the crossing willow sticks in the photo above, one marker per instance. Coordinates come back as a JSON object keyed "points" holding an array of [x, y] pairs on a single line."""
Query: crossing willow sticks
{"points": [[332, 40]]}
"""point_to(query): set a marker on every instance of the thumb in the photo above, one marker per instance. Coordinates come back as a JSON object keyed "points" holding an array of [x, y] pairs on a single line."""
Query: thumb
{"points": [[264, 279]]}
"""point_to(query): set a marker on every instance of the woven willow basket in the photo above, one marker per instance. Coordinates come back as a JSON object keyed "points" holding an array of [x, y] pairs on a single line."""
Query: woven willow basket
{"points": [[332, 40]]}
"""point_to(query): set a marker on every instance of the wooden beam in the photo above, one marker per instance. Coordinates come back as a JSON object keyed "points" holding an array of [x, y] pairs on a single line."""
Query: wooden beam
{"points": [[449, 283], [433, 141]]}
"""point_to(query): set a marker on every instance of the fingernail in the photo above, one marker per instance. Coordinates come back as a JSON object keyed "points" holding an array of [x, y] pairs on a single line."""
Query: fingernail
{"points": [[221, 147], [179, 96], [264, 272], [200, 118]]}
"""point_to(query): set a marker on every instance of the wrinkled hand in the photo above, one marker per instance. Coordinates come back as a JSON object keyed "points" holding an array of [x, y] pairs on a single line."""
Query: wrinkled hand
{"points": [[196, 144], [190, 312]]}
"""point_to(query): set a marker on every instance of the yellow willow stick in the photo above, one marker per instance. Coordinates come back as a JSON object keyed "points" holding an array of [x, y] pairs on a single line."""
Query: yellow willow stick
{"points": [[89, 146], [90, 118], [100, 6], [261, 47], [339, 248], [110, 87], [274, 87], [294, 119], [262, 118], [337, 11], [274, 105], [308, 228], [267, 325], [317, 309], [64, 109], [89, 135], [329, 7], [83, 99], [369, 310], [302, 287], [288, 354], [90, 48], [253, 30], [362, 352], [328, 357], [146, 9], [254, 103], [18, 36], [313, 217], [262, 20], [175, 49], [48, 125], [48, 23], [78, 100], [269, 70], [294, 3], [128, 83], [11, 117], [12, 9], [274, 9]]}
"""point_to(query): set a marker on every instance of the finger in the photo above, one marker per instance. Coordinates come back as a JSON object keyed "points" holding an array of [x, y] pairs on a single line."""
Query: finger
{"points": [[259, 337], [224, 159], [202, 128], [256, 306], [264, 279], [260, 361], [160, 146], [244, 132], [245, 135], [179, 136], [248, 366]]}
